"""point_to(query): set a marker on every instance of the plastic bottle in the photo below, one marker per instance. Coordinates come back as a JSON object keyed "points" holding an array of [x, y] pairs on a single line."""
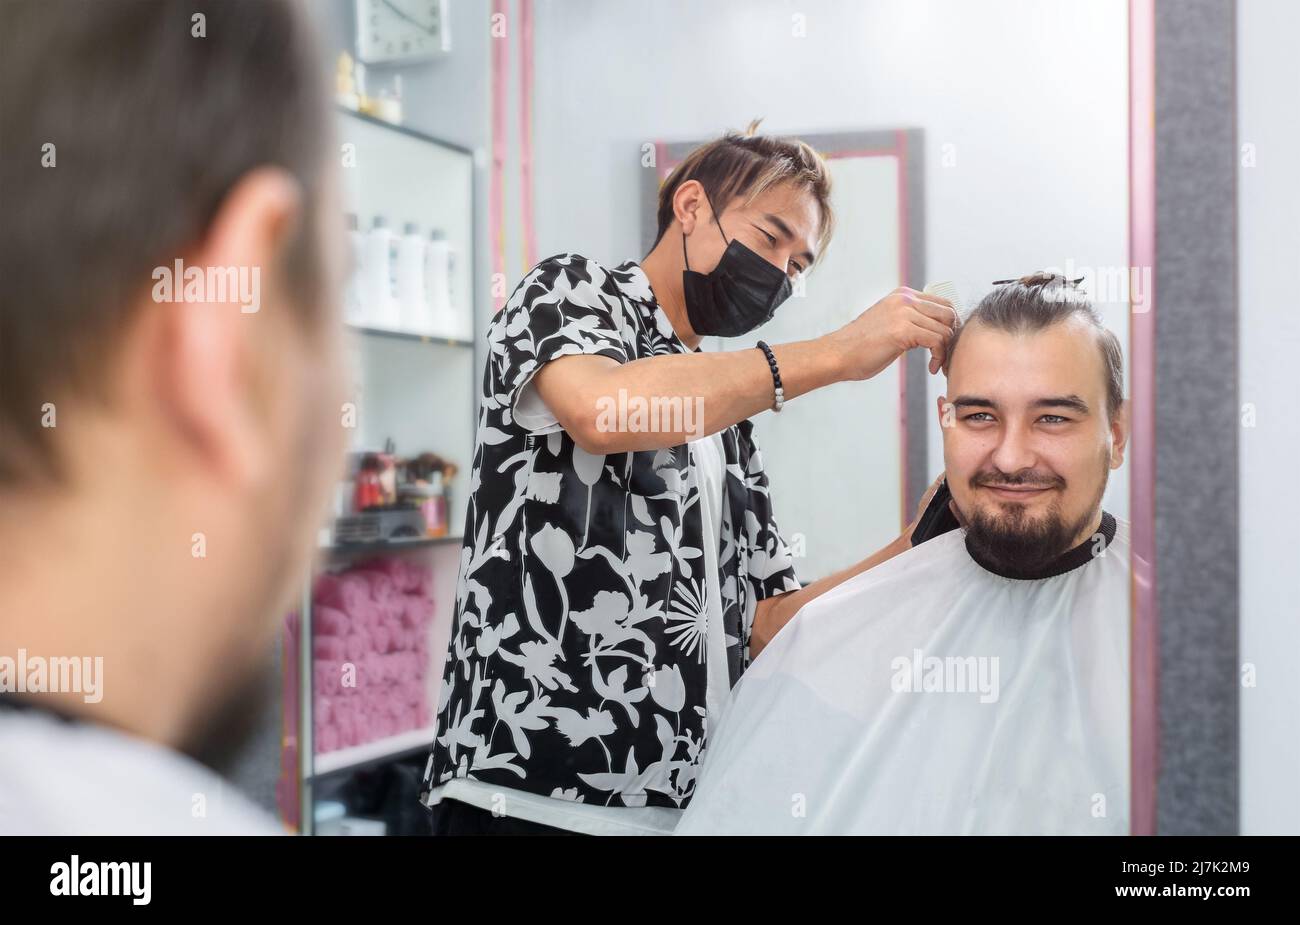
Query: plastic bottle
{"points": [[462, 320], [437, 284], [354, 302], [410, 281], [436, 515], [380, 304]]}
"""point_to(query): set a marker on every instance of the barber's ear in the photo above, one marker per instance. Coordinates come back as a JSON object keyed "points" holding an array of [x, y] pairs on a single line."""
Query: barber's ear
{"points": [[1119, 434], [212, 368], [690, 204]]}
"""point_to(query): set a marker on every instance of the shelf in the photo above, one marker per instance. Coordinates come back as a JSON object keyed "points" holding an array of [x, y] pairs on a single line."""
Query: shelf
{"points": [[383, 546], [401, 129], [411, 336], [377, 752], [415, 393]]}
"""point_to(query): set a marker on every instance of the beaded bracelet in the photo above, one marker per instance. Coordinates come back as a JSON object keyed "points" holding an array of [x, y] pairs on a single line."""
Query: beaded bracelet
{"points": [[776, 375]]}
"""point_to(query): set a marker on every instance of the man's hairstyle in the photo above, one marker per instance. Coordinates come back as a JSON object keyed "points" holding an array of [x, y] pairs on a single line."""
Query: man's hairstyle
{"points": [[747, 165], [1038, 301], [123, 126]]}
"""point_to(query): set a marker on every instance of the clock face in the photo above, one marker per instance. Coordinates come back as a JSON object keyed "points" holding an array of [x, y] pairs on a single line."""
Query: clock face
{"points": [[401, 30]]}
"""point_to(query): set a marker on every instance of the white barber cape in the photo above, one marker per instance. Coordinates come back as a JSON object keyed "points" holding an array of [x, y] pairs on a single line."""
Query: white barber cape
{"points": [[930, 695]]}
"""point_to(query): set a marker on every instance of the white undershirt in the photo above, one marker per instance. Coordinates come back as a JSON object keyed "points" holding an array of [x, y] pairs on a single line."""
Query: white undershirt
{"points": [[708, 462]]}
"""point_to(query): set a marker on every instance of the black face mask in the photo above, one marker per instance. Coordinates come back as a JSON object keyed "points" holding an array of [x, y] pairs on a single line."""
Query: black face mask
{"points": [[741, 294]]}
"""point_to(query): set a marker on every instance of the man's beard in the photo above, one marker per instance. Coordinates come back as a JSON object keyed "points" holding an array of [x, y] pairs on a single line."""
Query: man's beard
{"points": [[243, 714], [221, 736], [1010, 540]]}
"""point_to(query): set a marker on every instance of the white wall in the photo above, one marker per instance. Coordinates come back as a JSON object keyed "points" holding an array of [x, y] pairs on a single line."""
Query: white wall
{"points": [[1268, 70], [1026, 98]]}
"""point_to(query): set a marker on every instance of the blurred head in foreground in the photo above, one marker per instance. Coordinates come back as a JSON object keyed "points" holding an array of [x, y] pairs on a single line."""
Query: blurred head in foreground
{"points": [[1033, 420], [170, 355]]}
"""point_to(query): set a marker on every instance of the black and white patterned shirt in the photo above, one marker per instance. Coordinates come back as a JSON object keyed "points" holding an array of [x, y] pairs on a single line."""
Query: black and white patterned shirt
{"points": [[576, 667]]}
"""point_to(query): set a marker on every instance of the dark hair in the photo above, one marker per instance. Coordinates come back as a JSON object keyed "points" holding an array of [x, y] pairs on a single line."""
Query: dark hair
{"points": [[1038, 301], [150, 127], [745, 165]]}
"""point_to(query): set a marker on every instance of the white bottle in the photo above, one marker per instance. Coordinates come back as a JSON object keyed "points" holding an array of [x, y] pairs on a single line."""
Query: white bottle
{"points": [[354, 302], [381, 307], [463, 321], [410, 281], [437, 284]]}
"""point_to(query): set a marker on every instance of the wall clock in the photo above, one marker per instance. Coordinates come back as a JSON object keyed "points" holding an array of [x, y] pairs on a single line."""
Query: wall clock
{"points": [[390, 31]]}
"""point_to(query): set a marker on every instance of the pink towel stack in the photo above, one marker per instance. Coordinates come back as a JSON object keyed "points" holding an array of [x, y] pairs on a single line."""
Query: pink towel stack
{"points": [[371, 649]]}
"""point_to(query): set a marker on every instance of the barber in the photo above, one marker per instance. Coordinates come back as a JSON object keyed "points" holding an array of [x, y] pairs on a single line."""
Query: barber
{"points": [[622, 567]]}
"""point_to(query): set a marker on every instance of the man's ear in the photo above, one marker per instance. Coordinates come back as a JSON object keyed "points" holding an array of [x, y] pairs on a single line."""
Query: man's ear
{"points": [[1119, 433], [212, 357], [690, 205]]}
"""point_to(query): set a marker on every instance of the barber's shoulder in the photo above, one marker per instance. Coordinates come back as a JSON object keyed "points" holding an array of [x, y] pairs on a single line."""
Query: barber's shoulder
{"points": [[573, 274], [578, 268]]}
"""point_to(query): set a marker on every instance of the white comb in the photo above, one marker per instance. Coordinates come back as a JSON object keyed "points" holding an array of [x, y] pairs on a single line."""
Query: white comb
{"points": [[948, 290]]}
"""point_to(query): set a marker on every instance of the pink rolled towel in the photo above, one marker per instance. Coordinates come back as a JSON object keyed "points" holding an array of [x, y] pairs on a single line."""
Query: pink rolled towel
{"points": [[347, 729], [358, 643], [325, 587], [416, 611], [326, 677], [370, 674], [329, 648], [402, 572], [419, 575], [364, 615], [380, 585], [345, 592], [327, 739], [328, 621], [390, 610]]}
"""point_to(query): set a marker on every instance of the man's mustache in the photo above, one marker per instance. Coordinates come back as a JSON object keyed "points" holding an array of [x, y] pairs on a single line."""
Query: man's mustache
{"points": [[1027, 478]]}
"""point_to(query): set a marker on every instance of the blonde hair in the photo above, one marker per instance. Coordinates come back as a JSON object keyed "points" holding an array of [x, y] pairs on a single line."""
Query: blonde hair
{"points": [[747, 165]]}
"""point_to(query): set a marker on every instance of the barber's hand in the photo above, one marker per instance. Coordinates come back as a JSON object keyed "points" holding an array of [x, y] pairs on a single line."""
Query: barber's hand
{"points": [[900, 321], [906, 536]]}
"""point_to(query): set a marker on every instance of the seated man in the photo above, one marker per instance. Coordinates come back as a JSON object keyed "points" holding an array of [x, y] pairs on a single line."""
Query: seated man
{"points": [[977, 683]]}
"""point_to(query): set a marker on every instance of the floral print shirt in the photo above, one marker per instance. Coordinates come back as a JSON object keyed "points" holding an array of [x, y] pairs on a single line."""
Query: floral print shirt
{"points": [[576, 665]]}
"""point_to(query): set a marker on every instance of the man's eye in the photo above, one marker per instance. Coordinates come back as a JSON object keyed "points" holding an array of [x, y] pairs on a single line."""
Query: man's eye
{"points": [[1054, 419], [978, 416]]}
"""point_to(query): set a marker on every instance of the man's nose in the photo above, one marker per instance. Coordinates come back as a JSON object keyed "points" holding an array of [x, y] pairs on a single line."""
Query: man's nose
{"points": [[1015, 450]]}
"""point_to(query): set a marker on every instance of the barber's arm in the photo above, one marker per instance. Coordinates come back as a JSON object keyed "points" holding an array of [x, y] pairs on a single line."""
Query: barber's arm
{"points": [[774, 612], [736, 385]]}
